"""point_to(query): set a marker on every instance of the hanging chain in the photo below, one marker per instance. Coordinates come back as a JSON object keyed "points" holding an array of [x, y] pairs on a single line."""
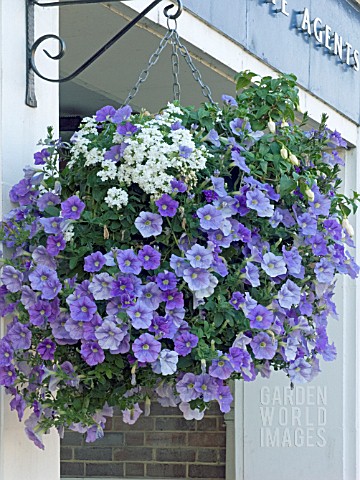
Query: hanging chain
{"points": [[172, 36], [195, 72], [152, 61]]}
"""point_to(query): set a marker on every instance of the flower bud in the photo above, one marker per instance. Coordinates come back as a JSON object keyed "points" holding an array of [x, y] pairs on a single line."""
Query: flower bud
{"points": [[284, 153], [348, 227], [310, 194], [294, 160], [284, 124], [271, 126]]}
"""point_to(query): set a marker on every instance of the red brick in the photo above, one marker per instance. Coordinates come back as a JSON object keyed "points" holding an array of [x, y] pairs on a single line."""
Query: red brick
{"points": [[140, 454], [173, 424], [206, 439], [207, 455], [145, 424], [165, 439], [134, 438], [72, 469], [215, 472], [175, 455], [104, 469], [207, 425], [157, 409], [160, 470], [134, 469]]}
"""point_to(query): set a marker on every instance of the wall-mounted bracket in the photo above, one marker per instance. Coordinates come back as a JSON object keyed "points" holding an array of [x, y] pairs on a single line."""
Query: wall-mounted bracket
{"points": [[32, 44]]}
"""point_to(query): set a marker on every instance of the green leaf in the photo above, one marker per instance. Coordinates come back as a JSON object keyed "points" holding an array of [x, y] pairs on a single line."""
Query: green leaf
{"points": [[287, 185]]}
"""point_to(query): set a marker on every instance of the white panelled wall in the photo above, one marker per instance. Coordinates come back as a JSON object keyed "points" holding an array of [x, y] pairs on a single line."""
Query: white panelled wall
{"points": [[21, 127]]}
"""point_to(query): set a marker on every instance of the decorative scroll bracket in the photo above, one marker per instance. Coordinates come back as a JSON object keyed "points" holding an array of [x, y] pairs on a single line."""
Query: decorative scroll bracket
{"points": [[32, 45]]}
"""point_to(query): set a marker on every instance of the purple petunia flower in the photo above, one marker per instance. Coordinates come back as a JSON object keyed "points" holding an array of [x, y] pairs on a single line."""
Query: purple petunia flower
{"points": [[146, 349], [42, 257], [260, 317], [173, 298], [40, 276], [167, 206], [210, 217], [237, 300], [109, 335], [289, 294], [199, 256], [273, 265], [264, 346], [224, 398], [130, 415], [39, 312], [178, 264], [128, 261], [46, 349], [197, 278], [307, 224], [252, 274], [166, 281], [127, 130], [166, 363], [239, 161], [55, 244], [177, 126], [92, 353], [6, 353], [49, 199], [19, 404], [72, 208], [105, 113], [149, 258], [300, 371], [122, 114], [178, 186], [221, 368], [149, 224], [94, 262], [184, 151], [19, 337], [206, 386], [101, 286], [256, 200], [185, 342], [52, 225], [12, 278], [40, 157], [229, 100], [213, 137], [324, 271], [151, 295], [186, 388], [116, 152], [141, 316], [7, 375], [239, 127], [82, 309]]}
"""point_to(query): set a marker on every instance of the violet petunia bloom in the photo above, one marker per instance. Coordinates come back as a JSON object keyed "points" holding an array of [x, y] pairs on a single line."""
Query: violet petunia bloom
{"points": [[300, 371], [173, 298], [177, 126], [149, 224], [51, 288], [186, 388], [199, 256], [7, 375], [82, 309], [19, 337], [55, 244], [128, 261], [239, 127], [221, 368], [167, 206], [12, 278], [109, 335], [185, 342], [42, 257], [52, 225], [239, 161], [19, 404], [213, 137], [289, 294], [127, 130], [146, 349], [141, 316], [224, 398], [258, 201], [166, 363], [178, 264], [260, 317], [307, 224], [72, 208], [184, 151], [92, 353], [40, 276], [149, 257], [130, 415], [252, 274], [210, 217], [166, 280], [273, 265], [237, 300], [39, 312], [229, 100], [6, 353], [101, 286], [197, 278], [105, 113], [94, 262], [264, 346], [122, 114], [324, 271], [150, 295], [46, 349], [41, 157], [49, 199], [116, 152], [178, 186], [206, 386]]}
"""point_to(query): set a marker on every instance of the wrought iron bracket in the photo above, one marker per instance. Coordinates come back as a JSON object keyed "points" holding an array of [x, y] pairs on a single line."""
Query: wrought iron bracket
{"points": [[32, 44]]}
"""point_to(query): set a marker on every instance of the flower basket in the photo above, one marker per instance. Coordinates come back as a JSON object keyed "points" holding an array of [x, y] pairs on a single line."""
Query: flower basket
{"points": [[172, 254]]}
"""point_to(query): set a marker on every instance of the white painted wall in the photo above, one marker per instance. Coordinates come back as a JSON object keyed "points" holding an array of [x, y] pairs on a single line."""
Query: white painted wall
{"points": [[20, 129]]}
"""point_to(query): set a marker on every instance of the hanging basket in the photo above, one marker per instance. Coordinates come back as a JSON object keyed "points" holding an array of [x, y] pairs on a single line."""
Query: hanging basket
{"points": [[172, 254]]}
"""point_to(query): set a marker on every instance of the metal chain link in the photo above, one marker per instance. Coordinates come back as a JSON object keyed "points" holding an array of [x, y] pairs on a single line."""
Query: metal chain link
{"points": [[152, 61], [195, 72], [175, 69]]}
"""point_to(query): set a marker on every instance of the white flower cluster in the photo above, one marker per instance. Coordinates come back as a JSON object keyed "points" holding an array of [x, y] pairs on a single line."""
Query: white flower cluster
{"points": [[81, 142], [116, 197], [157, 154]]}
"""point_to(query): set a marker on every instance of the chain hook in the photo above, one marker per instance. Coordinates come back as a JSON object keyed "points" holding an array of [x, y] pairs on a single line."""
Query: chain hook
{"points": [[178, 12]]}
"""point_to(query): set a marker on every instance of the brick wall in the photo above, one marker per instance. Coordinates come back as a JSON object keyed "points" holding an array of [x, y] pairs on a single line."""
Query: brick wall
{"points": [[163, 445]]}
